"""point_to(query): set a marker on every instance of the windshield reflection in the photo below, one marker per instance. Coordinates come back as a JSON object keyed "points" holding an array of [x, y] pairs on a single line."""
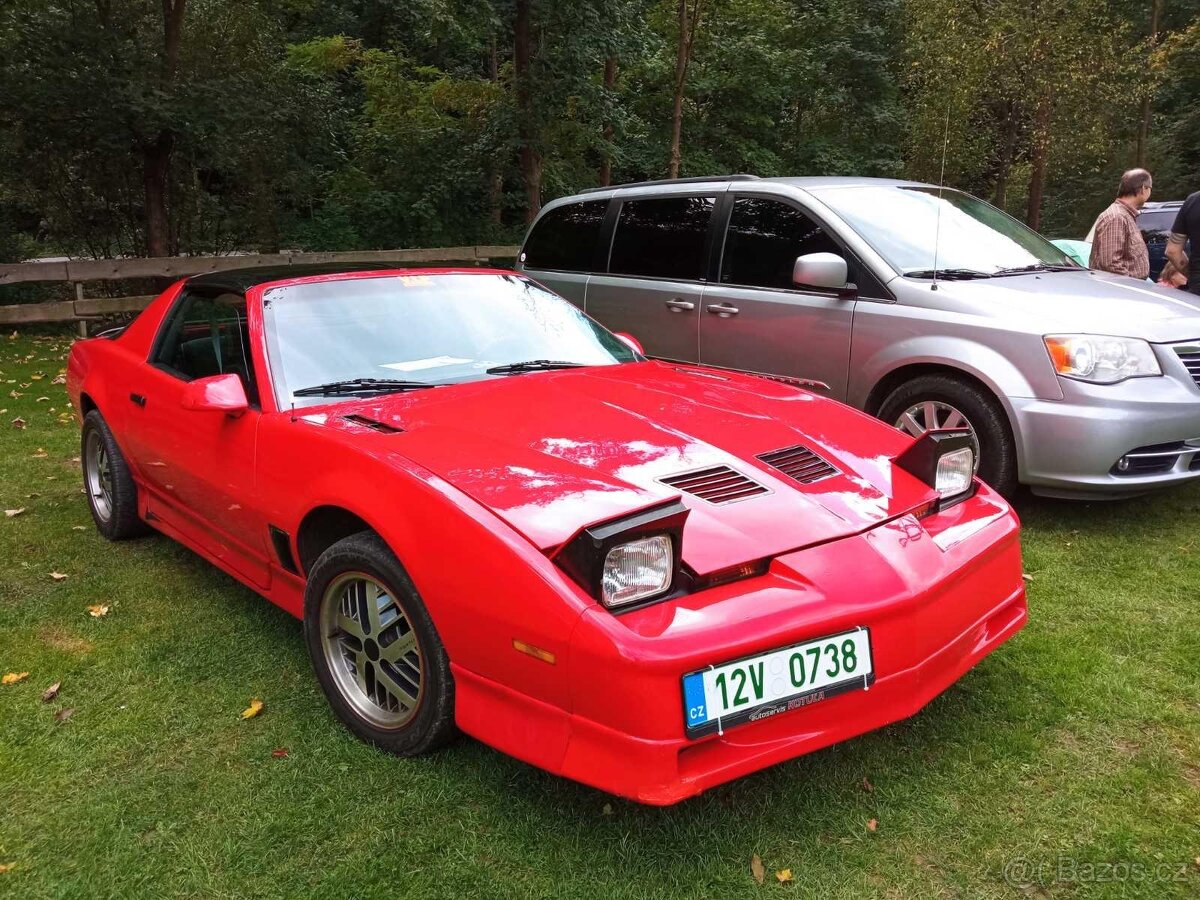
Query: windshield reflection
{"points": [[437, 329], [900, 223]]}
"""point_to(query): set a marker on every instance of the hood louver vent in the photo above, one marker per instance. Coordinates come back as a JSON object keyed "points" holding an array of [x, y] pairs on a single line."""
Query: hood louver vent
{"points": [[372, 424], [716, 484], [799, 463]]}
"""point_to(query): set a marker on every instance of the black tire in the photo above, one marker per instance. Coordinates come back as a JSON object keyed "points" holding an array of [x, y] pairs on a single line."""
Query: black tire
{"points": [[997, 451], [432, 722], [119, 497]]}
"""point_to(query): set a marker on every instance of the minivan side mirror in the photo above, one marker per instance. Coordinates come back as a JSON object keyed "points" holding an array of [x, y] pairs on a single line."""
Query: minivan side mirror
{"points": [[821, 270], [217, 393]]}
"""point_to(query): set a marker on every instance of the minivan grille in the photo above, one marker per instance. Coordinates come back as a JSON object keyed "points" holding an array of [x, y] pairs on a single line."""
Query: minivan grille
{"points": [[799, 463], [1191, 361], [716, 484]]}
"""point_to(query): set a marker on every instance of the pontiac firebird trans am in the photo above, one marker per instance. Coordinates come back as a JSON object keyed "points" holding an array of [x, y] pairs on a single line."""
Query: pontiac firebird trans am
{"points": [[495, 516]]}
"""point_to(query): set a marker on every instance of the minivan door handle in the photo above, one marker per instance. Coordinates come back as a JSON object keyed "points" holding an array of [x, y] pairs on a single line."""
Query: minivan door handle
{"points": [[678, 305], [724, 310]]}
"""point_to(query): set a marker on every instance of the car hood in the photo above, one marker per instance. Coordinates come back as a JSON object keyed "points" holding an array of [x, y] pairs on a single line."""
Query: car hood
{"points": [[1080, 302], [553, 452]]}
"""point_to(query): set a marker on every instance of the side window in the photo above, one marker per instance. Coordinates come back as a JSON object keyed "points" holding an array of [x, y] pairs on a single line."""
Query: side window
{"points": [[565, 238], [763, 240], [663, 238], [206, 336]]}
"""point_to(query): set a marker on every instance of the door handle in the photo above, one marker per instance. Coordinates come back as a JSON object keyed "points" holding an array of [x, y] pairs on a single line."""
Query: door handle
{"points": [[678, 305], [139, 399], [724, 310]]}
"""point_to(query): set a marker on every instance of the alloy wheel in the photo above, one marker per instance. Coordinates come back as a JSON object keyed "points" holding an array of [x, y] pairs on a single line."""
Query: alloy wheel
{"points": [[98, 476], [371, 649]]}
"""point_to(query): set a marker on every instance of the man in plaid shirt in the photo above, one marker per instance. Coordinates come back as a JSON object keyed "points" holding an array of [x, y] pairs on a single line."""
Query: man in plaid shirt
{"points": [[1118, 245]]}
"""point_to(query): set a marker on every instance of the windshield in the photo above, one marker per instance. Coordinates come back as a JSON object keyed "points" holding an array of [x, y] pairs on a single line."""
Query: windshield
{"points": [[426, 329], [900, 224], [1157, 220]]}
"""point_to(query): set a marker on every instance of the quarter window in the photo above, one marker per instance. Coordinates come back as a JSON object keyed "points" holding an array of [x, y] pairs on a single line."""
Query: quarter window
{"points": [[207, 336], [565, 238], [763, 240], [662, 238]]}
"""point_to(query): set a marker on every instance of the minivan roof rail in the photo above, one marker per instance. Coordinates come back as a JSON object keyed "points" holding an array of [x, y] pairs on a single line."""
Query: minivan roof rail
{"points": [[699, 180]]}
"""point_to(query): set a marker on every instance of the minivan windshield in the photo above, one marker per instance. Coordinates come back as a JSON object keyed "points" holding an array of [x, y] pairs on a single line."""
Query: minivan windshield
{"points": [[973, 238], [353, 337]]}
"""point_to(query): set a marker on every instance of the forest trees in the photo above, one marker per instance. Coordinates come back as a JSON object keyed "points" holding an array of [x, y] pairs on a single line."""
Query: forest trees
{"points": [[165, 126]]}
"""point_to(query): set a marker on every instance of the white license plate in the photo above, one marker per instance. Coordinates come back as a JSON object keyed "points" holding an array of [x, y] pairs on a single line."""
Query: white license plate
{"points": [[758, 687]]}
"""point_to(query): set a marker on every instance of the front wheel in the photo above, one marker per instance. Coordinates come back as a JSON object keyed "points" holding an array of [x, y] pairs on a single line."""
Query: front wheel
{"points": [[944, 401], [375, 651]]}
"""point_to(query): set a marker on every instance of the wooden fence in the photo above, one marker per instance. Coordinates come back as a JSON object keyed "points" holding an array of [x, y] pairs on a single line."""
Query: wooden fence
{"points": [[77, 272]]}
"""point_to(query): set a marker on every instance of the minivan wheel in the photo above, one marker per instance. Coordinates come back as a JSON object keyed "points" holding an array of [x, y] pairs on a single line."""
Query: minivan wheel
{"points": [[943, 401]]}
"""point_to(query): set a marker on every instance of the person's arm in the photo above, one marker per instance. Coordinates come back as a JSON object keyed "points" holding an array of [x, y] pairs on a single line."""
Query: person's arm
{"points": [[1108, 250], [1175, 251]]}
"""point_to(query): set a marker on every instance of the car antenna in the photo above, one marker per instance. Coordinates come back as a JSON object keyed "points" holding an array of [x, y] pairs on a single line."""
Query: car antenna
{"points": [[293, 409], [937, 228]]}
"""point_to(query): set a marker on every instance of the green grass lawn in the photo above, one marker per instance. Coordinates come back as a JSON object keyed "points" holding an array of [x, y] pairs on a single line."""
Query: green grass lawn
{"points": [[1073, 748]]}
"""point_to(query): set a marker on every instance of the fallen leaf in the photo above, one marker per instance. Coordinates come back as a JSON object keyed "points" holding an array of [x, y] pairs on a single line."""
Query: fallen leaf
{"points": [[41, 454], [59, 379], [42, 400], [756, 868], [14, 677], [872, 824], [783, 876], [606, 810], [253, 709], [59, 576], [6, 867], [279, 752], [79, 528], [63, 714], [867, 786], [1027, 576], [13, 513], [98, 610], [18, 422], [51, 692]]}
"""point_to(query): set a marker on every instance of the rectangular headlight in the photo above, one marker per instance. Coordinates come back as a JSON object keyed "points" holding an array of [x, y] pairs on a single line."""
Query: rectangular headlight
{"points": [[1101, 359], [954, 471], [637, 570]]}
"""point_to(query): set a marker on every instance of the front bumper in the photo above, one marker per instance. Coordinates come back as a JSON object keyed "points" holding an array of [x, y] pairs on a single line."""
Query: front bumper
{"points": [[936, 602], [1071, 447]]}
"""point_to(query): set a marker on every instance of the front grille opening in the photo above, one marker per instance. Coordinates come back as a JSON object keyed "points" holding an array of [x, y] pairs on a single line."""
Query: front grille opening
{"points": [[716, 484], [1191, 361], [799, 463]]}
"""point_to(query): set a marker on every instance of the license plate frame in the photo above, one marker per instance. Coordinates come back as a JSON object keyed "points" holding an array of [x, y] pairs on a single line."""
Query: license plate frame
{"points": [[768, 708]]}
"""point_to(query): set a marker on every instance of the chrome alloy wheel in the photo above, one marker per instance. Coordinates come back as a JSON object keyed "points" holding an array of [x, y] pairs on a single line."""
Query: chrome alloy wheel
{"points": [[929, 415], [372, 650], [98, 475]]}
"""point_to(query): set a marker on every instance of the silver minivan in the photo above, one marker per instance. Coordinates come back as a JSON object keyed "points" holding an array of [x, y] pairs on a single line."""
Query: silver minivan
{"points": [[924, 306]]}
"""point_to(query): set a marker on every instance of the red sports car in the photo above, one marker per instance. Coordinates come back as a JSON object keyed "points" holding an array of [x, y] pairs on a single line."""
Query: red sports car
{"points": [[493, 515]]}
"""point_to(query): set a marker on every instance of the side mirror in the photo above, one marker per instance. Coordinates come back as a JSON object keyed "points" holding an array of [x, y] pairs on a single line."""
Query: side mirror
{"points": [[630, 341], [821, 270], [217, 393]]}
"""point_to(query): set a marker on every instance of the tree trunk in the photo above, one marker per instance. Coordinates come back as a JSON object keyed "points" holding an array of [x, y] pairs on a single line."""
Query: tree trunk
{"points": [[610, 83], [687, 34], [156, 180], [494, 175], [1041, 151], [1143, 134], [530, 158], [1007, 148]]}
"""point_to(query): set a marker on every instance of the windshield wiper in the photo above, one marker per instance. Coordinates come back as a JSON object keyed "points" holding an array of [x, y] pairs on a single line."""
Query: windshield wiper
{"points": [[1035, 267], [948, 274], [532, 365], [362, 386]]}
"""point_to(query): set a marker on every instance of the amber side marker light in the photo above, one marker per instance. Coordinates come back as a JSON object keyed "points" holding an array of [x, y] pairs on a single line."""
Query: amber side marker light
{"points": [[536, 652]]}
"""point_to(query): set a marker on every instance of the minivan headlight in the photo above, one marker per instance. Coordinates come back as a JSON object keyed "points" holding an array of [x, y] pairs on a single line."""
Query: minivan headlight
{"points": [[1100, 359]]}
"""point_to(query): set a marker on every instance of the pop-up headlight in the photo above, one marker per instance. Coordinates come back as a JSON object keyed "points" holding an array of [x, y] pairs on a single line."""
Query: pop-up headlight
{"points": [[944, 460], [628, 560]]}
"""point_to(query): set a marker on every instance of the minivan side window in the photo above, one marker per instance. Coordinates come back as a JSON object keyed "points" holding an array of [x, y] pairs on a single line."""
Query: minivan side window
{"points": [[763, 240], [662, 238], [565, 238]]}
